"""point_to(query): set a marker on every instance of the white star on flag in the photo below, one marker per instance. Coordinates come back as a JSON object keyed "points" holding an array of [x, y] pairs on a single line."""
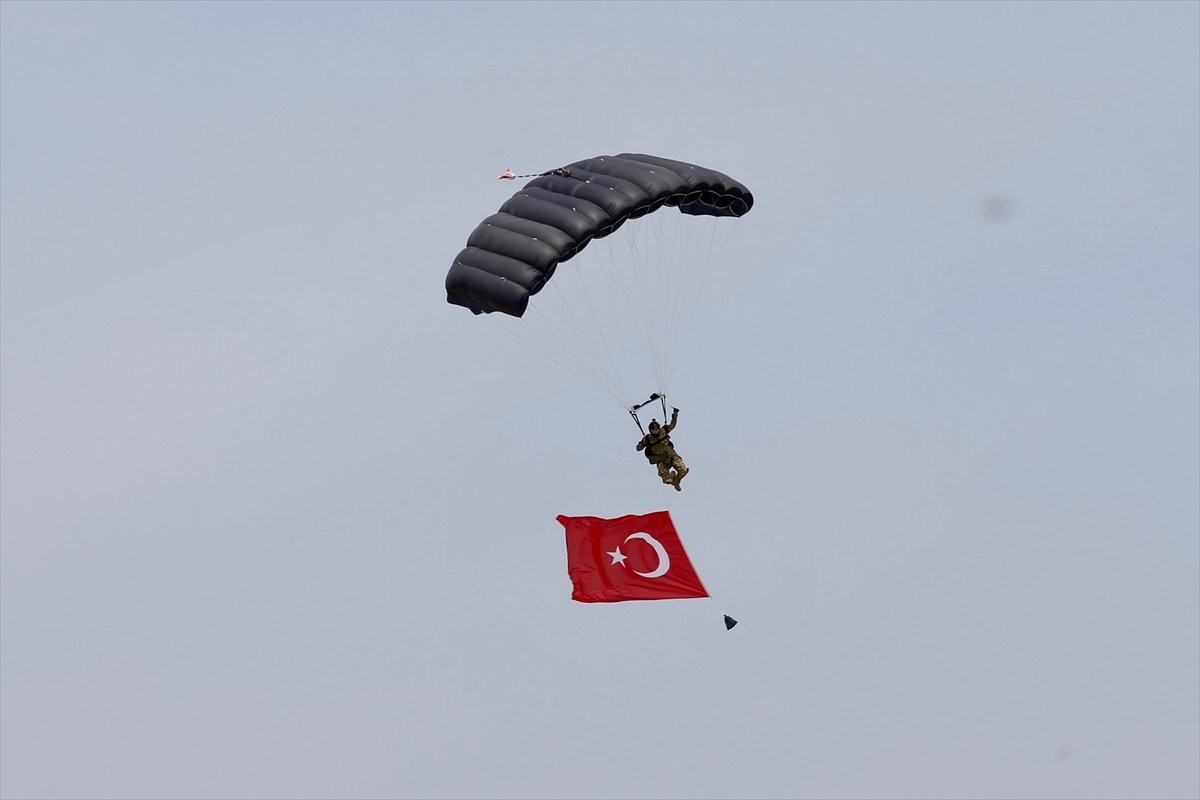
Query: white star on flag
{"points": [[618, 557]]}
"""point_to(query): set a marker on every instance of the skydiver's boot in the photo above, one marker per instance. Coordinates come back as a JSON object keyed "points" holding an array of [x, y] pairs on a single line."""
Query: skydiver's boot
{"points": [[679, 473]]}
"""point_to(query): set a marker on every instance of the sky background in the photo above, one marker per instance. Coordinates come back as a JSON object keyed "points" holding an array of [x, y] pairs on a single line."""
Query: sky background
{"points": [[279, 522]]}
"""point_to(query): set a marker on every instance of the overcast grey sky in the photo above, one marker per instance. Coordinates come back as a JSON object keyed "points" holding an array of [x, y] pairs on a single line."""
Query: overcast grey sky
{"points": [[278, 522]]}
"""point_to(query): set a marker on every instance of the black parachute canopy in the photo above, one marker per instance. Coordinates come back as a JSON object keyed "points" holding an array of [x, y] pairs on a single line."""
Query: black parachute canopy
{"points": [[512, 253]]}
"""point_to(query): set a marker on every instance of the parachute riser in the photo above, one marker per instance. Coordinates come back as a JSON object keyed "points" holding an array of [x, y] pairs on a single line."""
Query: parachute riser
{"points": [[633, 410], [637, 421]]}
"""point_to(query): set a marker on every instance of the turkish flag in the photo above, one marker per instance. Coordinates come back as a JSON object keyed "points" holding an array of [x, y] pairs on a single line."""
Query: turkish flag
{"points": [[637, 557]]}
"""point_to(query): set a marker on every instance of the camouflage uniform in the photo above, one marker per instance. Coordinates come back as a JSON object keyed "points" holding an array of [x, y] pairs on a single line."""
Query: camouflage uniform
{"points": [[661, 453]]}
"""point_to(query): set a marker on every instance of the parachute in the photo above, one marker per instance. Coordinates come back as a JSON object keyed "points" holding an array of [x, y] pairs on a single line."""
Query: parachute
{"points": [[511, 254], [639, 291]]}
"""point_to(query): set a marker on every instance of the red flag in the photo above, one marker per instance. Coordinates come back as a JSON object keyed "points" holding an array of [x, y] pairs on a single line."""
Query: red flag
{"points": [[637, 557]]}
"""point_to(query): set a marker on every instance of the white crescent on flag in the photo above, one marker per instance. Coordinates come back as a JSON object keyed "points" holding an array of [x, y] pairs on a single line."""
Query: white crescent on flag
{"points": [[664, 560]]}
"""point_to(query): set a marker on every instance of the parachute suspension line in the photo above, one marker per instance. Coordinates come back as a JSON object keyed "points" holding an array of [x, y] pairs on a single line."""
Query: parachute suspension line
{"points": [[585, 349], [598, 345], [661, 280], [619, 384], [686, 269], [637, 302], [551, 355], [633, 295], [630, 314], [646, 300], [552, 335], [673, 278], [691, 270], [623, 305], [640, 306], [613, 278], [676, 274], [549, 352], [710, 261], [679, 273]]}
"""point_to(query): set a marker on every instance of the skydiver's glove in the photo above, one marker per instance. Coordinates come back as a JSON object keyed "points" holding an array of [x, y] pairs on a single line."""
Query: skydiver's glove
{"points": [[674, 410]]}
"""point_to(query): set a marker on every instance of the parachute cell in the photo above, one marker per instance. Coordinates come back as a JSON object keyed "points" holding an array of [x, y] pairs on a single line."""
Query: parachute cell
{"points": [[511, 254]]}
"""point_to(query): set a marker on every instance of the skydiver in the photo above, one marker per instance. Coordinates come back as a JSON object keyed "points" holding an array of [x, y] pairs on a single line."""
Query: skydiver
{"points": [[661, 453]]}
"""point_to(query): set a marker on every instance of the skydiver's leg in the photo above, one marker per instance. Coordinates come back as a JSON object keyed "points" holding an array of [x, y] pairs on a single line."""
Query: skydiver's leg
{"points": [[681, 468], [664, 472]]}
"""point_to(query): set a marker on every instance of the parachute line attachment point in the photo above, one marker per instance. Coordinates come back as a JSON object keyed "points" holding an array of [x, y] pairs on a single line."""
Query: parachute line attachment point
{"points": [[634, 409], [509, 175]]}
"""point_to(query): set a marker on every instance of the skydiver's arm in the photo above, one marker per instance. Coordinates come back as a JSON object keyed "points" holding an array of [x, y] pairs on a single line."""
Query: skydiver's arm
{"points": [[674, 419], [641, 445]]}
